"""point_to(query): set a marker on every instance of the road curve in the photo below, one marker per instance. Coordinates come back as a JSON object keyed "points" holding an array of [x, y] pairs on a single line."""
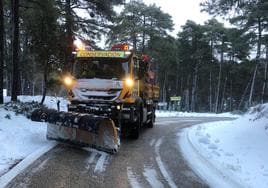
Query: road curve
{"points": [[154, 160]]}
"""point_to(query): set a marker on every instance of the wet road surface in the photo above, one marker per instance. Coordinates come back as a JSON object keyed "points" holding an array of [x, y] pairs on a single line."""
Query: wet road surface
{"points": [[154, 160]]}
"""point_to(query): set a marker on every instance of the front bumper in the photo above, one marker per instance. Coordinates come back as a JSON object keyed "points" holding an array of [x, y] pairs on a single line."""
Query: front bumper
{"points": [[109, 109], [118, 112]]}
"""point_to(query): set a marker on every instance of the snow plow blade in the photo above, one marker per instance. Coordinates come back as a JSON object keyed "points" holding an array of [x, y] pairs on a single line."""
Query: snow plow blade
{"points": [[85, 130]]}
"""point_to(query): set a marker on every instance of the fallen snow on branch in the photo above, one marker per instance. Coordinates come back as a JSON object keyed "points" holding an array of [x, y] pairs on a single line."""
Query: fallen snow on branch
{"points": [[234, 151], [50, 101]]}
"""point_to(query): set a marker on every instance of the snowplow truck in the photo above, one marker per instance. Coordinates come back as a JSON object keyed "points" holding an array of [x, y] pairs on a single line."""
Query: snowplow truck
{"points": [[110, 93]]}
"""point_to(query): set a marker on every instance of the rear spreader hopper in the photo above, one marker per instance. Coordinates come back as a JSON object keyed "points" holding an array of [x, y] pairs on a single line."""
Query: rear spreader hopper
{"points": [[81, 129]]}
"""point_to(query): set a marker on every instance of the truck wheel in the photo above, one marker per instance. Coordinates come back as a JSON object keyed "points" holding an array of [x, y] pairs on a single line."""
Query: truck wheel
{"points": [[135, 132], [151, 124]]}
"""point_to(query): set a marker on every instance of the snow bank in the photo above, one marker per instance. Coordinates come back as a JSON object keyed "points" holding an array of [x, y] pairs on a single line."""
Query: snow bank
{"points": [[237, 150], [161, 113], [19, 137], [50, 101]]}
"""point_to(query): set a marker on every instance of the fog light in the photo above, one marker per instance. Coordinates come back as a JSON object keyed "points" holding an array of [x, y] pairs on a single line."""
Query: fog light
{"points": [[118, 107]]}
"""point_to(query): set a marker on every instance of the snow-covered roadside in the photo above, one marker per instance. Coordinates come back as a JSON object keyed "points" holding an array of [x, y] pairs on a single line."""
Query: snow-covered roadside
{"points": [[230, 153], [21, 166], [162, 113], [21, 137]]}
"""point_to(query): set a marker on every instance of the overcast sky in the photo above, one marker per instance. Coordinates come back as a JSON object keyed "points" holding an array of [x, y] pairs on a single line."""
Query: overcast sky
{"points": [[181, 11]]}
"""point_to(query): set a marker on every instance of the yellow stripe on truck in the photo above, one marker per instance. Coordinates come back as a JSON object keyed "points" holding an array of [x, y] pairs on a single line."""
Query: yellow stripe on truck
{"points": [[85, 53]]}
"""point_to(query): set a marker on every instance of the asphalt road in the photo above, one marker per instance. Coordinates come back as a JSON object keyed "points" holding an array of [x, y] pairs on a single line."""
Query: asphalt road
{"points": [[154, 160]]}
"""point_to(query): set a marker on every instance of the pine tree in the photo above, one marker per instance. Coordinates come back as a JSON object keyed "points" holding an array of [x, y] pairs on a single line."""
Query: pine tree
{"points": [[138, 23], [1, 51], [15, 50], [251, 16]]}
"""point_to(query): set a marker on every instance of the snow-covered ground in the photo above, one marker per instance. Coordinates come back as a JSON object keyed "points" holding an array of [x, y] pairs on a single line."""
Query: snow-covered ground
{"points": [[164, 113], [230, 153], [19, 136], [225, 154]]}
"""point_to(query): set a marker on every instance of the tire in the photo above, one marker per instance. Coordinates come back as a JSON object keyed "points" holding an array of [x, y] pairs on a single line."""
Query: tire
{"points": [[135, 132], [150, 124]]}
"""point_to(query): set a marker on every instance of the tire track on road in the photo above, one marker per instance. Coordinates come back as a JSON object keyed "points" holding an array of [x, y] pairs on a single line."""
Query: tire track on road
{"points": [[161, 164], [152, 177]]}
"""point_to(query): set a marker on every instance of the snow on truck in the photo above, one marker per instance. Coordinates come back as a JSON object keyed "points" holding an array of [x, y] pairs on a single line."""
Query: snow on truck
{"points": [[110, 93]]}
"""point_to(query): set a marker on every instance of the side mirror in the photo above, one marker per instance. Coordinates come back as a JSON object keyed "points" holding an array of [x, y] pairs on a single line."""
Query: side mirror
{"points": [[141, 74]]}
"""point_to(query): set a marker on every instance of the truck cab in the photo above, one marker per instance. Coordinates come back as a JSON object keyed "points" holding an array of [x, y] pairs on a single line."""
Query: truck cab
{"points": [[113, 84]]}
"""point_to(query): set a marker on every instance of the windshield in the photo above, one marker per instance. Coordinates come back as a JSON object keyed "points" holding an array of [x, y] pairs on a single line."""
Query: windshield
{"points": [[104, 69]]}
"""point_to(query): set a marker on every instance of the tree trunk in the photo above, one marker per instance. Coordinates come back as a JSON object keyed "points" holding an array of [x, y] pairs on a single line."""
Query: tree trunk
{"points": [[231, 95], [210, 75], [33, 88], [264, 93], [177, 84], [181, 86], [187, 97], [243, 96], [177, 80], [210, 91], [24, 76], [193, 99], [252, 85], [223, 95], [2, 54], [219, 79], [15, 51], [69, 35], [187, 102], [164, 88], [143, 35], [9, 83], [258, 55], [44, 90], [134, 40], [181, 92], [22, 84]]}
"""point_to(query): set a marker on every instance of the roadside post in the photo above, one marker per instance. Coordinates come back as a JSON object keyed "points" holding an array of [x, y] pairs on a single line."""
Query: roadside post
{"points": [[175, 102]]}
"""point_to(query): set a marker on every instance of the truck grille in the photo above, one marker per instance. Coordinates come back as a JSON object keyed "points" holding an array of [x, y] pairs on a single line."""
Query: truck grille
{"points": [[110, 97]]}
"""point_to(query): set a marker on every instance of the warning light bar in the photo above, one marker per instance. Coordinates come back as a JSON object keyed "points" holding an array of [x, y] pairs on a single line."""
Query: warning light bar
{"points": [[122, 47]]}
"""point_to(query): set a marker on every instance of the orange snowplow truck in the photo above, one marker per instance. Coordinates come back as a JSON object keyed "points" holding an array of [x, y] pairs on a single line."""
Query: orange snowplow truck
{"points": [[117, 84], [110, 93]]}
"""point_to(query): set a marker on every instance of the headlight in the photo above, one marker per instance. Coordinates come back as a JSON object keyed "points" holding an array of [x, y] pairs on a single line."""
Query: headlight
{"points": [[129, 82], [118, 107], [68, 81]]}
